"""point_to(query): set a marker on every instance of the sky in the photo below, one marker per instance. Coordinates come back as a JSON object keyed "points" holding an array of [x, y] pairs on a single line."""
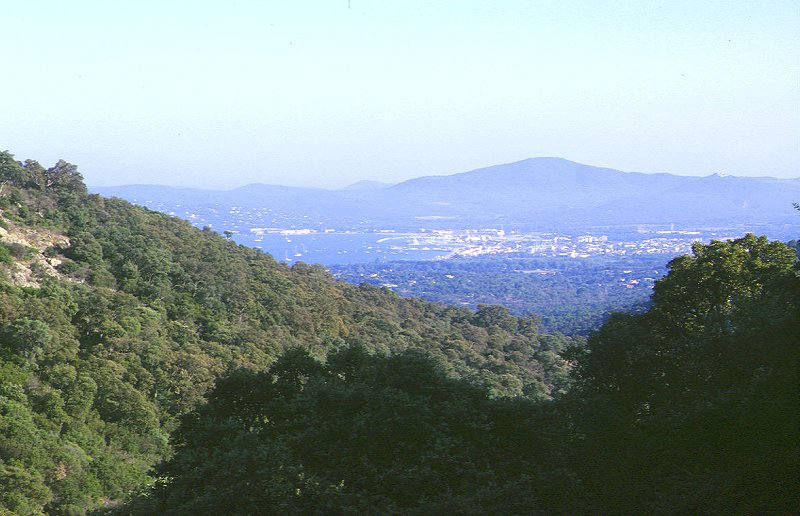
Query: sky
{"points": [[324, 93]]}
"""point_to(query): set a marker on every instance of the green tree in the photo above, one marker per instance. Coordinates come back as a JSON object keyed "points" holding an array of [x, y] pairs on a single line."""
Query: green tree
{"points": [[64, 177], [11, 172], [22, 491], [359, 434], [688, 407], [702, 291], [30, 338]]}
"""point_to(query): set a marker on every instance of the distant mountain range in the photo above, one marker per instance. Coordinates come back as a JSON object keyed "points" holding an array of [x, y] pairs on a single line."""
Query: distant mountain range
{"points": [[537, 193]]}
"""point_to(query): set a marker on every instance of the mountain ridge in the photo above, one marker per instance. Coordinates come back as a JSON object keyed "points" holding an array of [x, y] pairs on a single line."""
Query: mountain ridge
{"points": [[548, 192], [557, 163]]}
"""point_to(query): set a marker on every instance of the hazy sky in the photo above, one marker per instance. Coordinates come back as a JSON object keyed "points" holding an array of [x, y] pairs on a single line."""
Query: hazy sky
{"points": [[327, 92]]}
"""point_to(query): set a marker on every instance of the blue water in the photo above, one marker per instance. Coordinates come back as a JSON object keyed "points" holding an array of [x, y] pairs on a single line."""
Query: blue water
{"points": [[339, 248]]}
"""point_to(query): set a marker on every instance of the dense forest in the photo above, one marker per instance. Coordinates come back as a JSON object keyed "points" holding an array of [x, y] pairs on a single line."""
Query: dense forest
{"points": [[150, 367]]}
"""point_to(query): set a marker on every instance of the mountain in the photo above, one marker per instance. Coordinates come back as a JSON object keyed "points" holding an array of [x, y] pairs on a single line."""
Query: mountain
{"points": [[538, 192], [712, 200], [558, 191], [367, 185]]}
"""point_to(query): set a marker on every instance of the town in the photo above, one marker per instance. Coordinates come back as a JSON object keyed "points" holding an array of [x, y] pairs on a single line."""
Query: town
{"points": [[335, 241]]}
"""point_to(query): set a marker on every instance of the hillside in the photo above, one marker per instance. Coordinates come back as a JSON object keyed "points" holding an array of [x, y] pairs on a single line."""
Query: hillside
{"points": [[115, 320], [688, 407]]}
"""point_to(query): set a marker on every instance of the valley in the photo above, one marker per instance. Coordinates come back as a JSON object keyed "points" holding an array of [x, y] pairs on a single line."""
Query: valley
{"points": [[568, 242], [151, 367], [400, 258]]}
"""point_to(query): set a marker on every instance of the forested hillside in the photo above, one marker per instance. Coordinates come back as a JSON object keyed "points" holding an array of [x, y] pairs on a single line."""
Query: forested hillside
{"points": [[690, 407], [147, 367], [116, 320]]}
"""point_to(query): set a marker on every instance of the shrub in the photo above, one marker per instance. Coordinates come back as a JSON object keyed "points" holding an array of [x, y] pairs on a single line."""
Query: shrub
{"points": [[17, 250]]}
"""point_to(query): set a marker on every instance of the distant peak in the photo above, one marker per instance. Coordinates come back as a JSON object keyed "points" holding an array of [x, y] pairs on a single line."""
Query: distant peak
{"points": [[549, 158], [367, 185], [545, 160]]}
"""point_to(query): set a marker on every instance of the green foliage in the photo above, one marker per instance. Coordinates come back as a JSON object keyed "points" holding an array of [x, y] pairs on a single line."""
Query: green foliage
{"points": [[11, 171], [358, 434], [705, 289], [29, 338], [5, 255], [22, 491], [699, 395], [99, 366], [17, 250], [331, 397]]}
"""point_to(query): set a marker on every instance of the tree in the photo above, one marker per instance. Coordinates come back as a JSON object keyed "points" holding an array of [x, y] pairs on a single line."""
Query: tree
{"points": [[11, 172], [489, 316], [692, 405], [702, 291], [30, 338], [362, 433], [64, 176]]}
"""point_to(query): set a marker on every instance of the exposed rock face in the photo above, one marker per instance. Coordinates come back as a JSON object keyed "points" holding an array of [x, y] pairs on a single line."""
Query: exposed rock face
{"points": [[27, 271]]}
